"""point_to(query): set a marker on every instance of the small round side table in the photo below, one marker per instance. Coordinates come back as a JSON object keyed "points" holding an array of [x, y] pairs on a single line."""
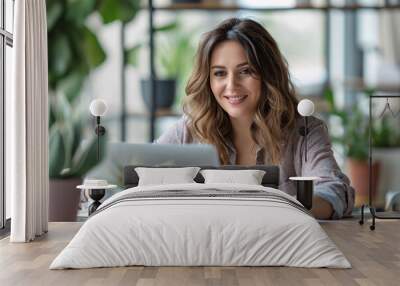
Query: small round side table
{"points": [[96, 193]]}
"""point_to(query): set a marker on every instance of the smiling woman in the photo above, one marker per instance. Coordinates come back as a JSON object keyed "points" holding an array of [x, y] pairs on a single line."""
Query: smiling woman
{"points": [[240, 98], [237, 89], [235, 85], [240, 82]]}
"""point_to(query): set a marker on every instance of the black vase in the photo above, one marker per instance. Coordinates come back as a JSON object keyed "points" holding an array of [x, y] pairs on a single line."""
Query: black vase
{"points": [[165, 93]]}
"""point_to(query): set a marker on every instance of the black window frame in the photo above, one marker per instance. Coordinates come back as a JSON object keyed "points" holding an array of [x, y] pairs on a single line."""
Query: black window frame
{"points": [[6, 39]]}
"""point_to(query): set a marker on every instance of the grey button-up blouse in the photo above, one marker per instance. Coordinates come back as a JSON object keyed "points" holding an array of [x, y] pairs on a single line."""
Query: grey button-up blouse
{"points": [[333, 186]]}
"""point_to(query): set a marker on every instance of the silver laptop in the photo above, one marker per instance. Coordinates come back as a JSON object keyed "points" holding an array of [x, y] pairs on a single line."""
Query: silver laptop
{"points": [[120, 155], [165, 154]]}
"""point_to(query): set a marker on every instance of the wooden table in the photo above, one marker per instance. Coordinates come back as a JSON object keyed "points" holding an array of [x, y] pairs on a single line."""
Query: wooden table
{"points": [[374, 255]]}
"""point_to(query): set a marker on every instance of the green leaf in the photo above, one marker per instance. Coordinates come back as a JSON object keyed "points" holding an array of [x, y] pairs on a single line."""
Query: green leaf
{"points": [[167, 28], [79, 62], [166, 60], [52, 116], [54, 11], [355, 128], [60, 108], [78, 130], [93, 51], [86, 156], [59, 55], [77, 11], [132, 55], [67, 134], [369, 91], [328, 96], [71, 84], [64, 124], [112, 10], [175, 58], [56, 152]]}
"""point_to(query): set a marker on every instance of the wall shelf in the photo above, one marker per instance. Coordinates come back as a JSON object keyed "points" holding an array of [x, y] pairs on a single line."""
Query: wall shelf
{"points": [[221, 7]]}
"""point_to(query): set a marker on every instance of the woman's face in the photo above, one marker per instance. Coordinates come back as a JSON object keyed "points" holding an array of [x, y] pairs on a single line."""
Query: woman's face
{"points": [[236, 88]]}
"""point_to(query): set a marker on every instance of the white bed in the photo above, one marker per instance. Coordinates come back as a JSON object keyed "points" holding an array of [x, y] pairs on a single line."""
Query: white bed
{"points": [[223, 225]]}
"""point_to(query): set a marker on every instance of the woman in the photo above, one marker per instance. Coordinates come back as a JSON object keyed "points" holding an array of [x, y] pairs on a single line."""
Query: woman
{"points": [[240, 99]]}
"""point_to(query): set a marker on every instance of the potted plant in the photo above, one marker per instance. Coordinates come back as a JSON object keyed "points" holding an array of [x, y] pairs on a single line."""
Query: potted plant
{"points": [[173, 60], [73, 52], [386, 149], [70, 157], [354, 138]]}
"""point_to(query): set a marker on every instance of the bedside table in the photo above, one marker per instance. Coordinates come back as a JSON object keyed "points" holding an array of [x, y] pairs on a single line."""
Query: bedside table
{"points": [[305, 190], [97, 190]]}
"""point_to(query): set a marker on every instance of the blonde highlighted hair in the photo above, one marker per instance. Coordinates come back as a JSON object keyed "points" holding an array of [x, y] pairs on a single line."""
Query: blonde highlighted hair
{"points": [[276, 112]]}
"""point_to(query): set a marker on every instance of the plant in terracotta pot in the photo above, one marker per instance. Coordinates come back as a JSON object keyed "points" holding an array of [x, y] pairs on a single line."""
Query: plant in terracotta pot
{"points": [[354, 138]]}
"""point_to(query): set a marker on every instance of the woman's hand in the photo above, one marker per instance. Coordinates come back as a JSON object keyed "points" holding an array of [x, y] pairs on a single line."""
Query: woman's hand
{"points": [[321, 208]]}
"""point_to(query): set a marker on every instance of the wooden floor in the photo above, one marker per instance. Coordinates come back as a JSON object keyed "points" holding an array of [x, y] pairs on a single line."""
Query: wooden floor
{"points": [[374, 255]]}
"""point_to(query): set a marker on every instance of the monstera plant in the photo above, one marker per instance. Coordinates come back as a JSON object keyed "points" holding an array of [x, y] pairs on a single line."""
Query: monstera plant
{"points": [[73, 47], [73, 52]]}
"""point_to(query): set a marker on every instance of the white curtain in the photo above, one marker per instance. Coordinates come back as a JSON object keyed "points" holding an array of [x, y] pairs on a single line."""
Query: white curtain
{"points": [[27, 117]]}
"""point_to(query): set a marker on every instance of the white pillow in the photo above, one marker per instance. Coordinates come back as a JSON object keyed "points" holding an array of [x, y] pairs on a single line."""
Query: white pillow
{"points": [[248, 177], [163, 176]]}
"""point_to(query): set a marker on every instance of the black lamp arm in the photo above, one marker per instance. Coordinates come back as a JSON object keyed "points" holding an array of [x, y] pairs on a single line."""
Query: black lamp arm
{"points": [[100, 131], [303, 132], [305, 137]]}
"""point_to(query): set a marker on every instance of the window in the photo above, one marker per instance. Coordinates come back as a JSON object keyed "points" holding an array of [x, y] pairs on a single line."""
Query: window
{"points": [[6, 42]]}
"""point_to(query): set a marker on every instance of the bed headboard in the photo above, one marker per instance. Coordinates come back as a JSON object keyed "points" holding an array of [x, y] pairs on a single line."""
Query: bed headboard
{"points": [[270, 179]]}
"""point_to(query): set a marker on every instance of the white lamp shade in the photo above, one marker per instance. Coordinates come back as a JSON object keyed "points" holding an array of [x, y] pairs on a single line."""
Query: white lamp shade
{"points": [[98, 107], [305, 107]]}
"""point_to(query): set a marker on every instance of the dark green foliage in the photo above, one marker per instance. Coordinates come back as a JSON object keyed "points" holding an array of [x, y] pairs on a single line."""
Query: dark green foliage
{"points": [[118, 10], [73, 51], [69, 154]]}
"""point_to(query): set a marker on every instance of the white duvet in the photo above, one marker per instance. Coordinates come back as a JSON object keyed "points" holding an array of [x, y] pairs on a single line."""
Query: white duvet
{"points": [[183, 231]]}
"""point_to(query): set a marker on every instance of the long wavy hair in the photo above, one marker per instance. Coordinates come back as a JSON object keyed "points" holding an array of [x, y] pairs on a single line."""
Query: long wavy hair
{"points": [[276, 111]]}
